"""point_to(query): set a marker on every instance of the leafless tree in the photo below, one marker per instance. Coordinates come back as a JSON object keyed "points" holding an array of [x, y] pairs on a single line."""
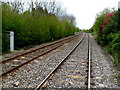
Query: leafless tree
{"points": [[51, 6]]}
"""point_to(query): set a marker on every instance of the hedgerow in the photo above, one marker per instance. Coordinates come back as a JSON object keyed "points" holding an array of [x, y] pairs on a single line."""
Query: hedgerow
{"points": [[34, 27], [107, 30]]}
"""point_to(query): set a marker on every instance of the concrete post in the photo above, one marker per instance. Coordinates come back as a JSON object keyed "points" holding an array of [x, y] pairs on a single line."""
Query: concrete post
{"points": [[11, 41]]}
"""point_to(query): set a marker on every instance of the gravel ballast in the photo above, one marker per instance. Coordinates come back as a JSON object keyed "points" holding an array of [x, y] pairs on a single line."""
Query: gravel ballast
{"points": [[72, 73], [102, 68], [33, 73]]}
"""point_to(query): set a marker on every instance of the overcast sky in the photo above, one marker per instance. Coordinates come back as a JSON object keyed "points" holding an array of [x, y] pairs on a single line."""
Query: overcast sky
{"points": [[86, 10]]}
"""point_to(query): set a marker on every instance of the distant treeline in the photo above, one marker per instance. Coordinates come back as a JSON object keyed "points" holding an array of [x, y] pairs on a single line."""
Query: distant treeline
{"points": [[42, 22], [107, 31]]}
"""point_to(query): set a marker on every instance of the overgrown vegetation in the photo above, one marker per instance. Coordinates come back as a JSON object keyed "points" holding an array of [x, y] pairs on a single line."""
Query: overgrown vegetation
{"points": [[42, 22], [107, 31], [86, 30]]}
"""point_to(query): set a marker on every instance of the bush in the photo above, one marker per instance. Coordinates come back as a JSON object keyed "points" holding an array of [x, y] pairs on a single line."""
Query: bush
{"points": [[108, 33], [34, 27]]}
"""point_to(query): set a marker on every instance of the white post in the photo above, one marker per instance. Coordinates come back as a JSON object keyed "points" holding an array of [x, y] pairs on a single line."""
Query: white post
{"points": [[11, 41]]}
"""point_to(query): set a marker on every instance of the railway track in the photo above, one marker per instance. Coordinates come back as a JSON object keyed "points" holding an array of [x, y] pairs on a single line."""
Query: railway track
{"points": [[58, 67], [16, 62], [26, 53], [66, 67]]}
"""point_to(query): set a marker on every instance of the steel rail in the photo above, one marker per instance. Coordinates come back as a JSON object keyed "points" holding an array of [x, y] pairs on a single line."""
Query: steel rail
{"points": [[4, 61], [89, 63], [56, 68], [13, 69]]}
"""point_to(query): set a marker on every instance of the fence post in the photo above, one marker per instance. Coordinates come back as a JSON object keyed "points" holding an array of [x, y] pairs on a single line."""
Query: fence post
{"points": [[11, 41]]}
